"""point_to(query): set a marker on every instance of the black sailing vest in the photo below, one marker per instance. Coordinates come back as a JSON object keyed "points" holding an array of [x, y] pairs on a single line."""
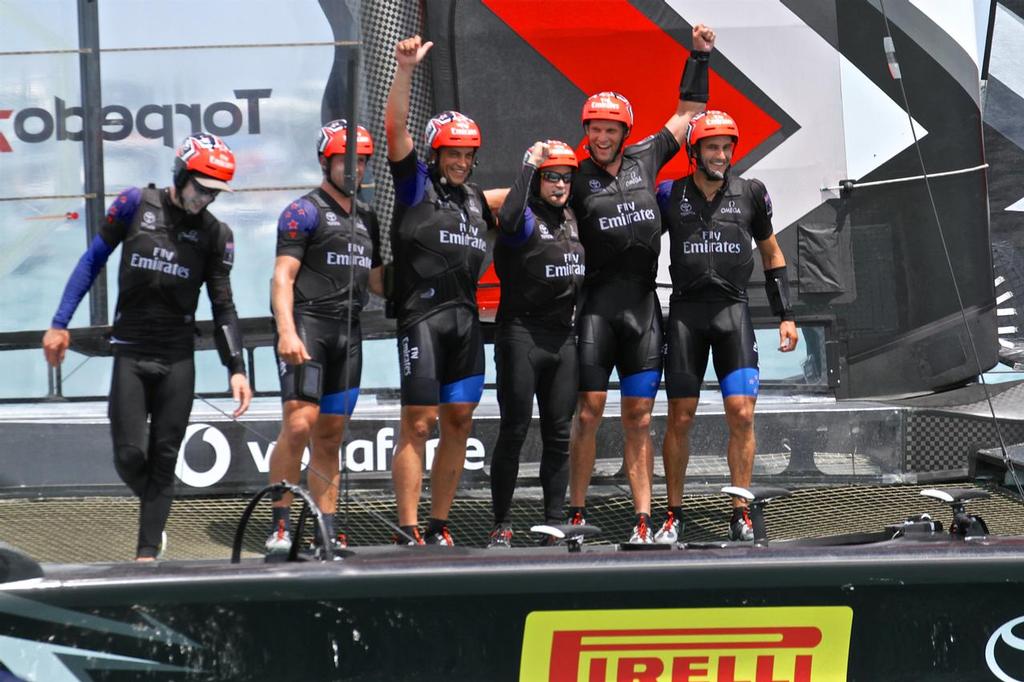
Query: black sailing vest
{"points": [[541, 277], [163, 267], [619, 219], [330, 262], [440, 251], [713, 257]]}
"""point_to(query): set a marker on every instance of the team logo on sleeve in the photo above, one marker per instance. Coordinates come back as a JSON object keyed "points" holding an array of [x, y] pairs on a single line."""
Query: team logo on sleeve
{"points": [[229, 253], [768, 203]]}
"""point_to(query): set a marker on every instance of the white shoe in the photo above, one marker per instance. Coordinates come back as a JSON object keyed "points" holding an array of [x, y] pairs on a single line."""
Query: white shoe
{"points": [[741, 529], [279, 541], [641, 533], [668, 534]]}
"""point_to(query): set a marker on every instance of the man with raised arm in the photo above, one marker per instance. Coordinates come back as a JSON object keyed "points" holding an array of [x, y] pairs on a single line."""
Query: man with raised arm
{"points": [[619, 322], [438, 239]]}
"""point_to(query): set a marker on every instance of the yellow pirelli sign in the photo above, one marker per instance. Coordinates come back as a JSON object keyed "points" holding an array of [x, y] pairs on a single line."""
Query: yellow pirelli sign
{"points": [[771, 644]]}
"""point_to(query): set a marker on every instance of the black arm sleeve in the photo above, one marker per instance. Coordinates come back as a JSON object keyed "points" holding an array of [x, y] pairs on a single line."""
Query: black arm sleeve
{"points": [[776, 286], [227, 334], [511, 217], [693, 86]]}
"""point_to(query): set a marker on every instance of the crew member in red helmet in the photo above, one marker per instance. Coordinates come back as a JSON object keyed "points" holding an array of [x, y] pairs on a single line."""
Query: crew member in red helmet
{"points": [[619, 320], [171, 246], [328, 257], [539, 258], [712, 216], [439, 243]]}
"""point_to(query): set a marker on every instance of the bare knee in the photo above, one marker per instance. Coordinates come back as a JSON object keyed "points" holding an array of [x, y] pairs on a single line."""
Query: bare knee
{"points": [[457, 421], [637, 418], [296, 428], [588, 415], [740, 418], [417, 430], [680, 421]]}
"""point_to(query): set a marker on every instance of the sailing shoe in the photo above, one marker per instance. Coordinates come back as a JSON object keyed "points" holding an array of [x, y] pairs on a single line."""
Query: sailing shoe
{"points": [[669, 532], [442, 538], [280, 541], [163, 545], [500, 537], [576, 519], [337, 544], [740, 528], [642, 534], [417, 539]]}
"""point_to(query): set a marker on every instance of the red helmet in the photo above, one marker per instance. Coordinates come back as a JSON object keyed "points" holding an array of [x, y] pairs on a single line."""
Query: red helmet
{"points": [[334, 135], [560, 154], [207, 158], [608, 106], [709, 124], [451, 129]]}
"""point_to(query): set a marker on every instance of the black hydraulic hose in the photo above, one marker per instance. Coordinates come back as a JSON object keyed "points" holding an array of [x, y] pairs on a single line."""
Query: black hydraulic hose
{"points": [[308, 506]]}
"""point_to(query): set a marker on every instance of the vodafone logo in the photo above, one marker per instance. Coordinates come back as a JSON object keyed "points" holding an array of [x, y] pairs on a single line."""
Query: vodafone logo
{"points": [[221, 457], [1004, 650], [207, 456], [33, 125]]}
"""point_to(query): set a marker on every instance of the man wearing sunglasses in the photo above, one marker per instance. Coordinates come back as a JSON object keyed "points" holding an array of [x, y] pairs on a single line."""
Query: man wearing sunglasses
{"points": [[619, 322], [170, 246], [539, 259]]}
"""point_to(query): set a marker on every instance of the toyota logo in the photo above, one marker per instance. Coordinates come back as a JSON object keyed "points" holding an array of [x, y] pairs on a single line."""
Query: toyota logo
{"points": [[1005, 635]]}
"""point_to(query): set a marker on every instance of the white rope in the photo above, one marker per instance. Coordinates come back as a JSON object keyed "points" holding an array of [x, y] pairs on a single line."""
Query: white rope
{"points": [[875, 183]]}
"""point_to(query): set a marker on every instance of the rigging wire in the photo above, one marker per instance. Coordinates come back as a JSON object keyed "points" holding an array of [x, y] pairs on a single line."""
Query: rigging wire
{"points": [[890, 50]]}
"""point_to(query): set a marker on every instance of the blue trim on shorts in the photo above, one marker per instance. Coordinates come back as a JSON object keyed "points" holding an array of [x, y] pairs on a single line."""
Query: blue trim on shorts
{"points": [[340, 403], [468, 390], [641, 384], [743, 381]]}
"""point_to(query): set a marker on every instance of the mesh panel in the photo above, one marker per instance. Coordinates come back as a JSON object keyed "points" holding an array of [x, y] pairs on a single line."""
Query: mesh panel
{"points": [[384, 23], [83, 530]]}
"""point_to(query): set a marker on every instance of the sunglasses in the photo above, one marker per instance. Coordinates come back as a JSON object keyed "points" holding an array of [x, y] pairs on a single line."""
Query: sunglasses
{"points": [[204, 190], [552, 176]]}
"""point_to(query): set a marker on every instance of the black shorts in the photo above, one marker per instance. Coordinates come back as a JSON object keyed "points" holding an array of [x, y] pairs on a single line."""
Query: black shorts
{"points": [[331, 378], [619, 326], [441, 358], [722, 328]]}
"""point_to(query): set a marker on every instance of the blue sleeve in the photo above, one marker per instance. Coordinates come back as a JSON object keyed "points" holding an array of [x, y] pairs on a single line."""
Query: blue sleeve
{"points": [[84, 274], [295, 226], [663, 191], [410, 178], [120, 215], [527, 223]]}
